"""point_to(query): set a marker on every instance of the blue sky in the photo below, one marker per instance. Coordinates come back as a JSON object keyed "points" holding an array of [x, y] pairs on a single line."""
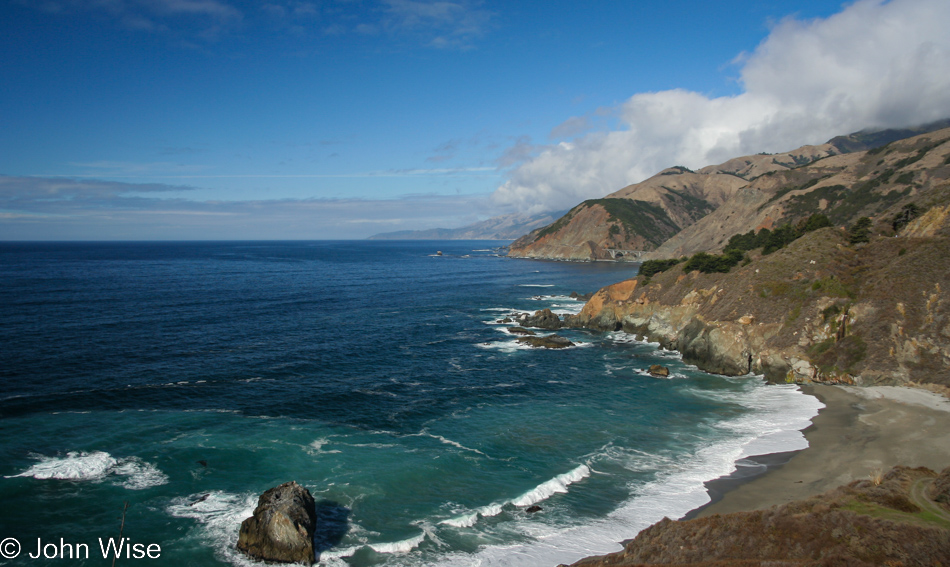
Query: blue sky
{"points": [[287, 119]]}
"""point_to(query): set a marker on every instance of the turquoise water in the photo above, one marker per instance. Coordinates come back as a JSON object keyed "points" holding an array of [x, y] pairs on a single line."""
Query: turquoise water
{"points": [[187, 378]]}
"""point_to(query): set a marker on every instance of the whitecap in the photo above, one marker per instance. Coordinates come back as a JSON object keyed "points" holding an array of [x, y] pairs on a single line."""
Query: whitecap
{"points": [[403, 546], [462, 521], [551, 487]]}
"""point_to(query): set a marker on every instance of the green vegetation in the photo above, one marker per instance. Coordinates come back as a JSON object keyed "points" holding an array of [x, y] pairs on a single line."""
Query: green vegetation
{"points": [[695, 207], [786, 190], [637, 218], [736, 248], [875, 510], [833, 286], [908, 213], [905, 178], [842, 204], [916, 157], [770, 241], [653, 267], [860, 231], [561, 222], [709, 263]]}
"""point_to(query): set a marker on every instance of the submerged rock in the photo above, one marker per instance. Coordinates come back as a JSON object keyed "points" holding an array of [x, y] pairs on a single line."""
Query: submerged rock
{"points": [[520, 331], [549, 341], [533, 509], [282, 526]]}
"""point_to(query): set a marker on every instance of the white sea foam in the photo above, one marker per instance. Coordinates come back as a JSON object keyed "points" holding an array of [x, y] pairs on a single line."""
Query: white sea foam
{"points": [[441, 439], [515, 345], [395, 547], [556, 485], [490, 510], [780, 412], [139, 474], [97, 466], [74, 466], [404, 546], [463, 521], [220, 515], [535, 285]]}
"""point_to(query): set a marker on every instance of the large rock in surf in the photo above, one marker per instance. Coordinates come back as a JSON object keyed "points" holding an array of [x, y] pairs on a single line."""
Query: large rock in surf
{"points": [[549, 341], [658, 370], [281, 529], [544, 319]]}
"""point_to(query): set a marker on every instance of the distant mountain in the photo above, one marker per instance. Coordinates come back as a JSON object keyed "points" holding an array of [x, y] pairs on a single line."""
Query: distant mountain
{"points": [[505, 227]]}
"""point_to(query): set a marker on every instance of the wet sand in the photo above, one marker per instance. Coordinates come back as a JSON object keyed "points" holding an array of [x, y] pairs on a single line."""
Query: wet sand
{"points": [[860, 432]]}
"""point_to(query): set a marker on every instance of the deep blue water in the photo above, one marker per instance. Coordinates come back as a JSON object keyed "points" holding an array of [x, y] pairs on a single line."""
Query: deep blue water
{"points": [[187, 378]]}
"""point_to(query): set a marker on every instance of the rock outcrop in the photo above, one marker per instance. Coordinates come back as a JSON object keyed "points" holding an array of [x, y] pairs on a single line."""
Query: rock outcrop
{"points": [[548, 341], [281, 529], [864, 524], [543, 319], [658, 370]]}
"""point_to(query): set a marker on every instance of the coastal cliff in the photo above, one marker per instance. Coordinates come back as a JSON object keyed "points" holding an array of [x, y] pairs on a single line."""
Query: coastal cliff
{"points": [[819, 310]]}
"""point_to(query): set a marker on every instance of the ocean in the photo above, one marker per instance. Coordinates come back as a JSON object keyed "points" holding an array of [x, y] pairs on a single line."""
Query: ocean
{"points": [[187, 378]]}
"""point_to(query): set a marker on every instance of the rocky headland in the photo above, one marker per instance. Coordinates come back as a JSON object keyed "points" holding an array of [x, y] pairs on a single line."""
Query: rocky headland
{"points": [[861, 301]]}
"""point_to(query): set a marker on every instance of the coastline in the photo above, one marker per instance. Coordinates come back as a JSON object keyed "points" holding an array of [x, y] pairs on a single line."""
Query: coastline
{"points": [[859, 432]]}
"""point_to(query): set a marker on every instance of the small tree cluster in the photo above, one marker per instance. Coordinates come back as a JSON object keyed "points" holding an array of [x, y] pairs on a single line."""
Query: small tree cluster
{"points": [[860, 231], [652, 267], [739, 244], [907, 214], [709, 263], [771, 240]]}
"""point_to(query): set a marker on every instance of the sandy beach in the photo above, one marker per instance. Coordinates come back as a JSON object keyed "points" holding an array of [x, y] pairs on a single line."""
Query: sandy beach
{"points": [[860, 432]]}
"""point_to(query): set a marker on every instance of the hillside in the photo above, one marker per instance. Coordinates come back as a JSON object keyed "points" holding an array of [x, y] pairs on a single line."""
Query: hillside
{"points": [[900, 518], [679, 211], [505, 227], [844, 187]]}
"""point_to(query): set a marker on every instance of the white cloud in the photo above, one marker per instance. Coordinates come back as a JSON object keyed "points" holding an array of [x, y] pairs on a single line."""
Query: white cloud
{"points": [[875, 64]]}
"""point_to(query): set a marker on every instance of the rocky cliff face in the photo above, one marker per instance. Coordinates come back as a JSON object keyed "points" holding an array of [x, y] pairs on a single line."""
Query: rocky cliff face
{"points": [[819, 310]]}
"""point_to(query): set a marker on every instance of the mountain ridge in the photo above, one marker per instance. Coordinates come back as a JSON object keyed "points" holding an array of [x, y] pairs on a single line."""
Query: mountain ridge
{"points": [[689, 198]]}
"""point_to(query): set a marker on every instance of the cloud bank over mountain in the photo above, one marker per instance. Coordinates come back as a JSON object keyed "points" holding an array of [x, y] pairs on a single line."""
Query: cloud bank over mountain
{"points": [[874, 64]]}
